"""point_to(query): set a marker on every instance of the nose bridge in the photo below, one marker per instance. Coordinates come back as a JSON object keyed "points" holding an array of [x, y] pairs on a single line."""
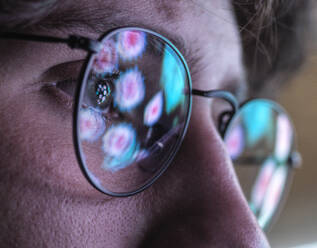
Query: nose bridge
{"points": [[203, 202], [204, 163], [203, 152]]}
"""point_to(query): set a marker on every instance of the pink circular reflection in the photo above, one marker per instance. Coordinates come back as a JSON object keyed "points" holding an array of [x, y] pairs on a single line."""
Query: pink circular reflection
{"points": [[106, 60], [91, 125], [153, 110], [235, 142], [130, 89], [118, 140], [131, 44]]}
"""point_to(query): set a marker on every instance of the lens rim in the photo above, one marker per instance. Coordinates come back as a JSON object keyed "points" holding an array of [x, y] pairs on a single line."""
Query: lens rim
{"points": [[290, 169], [79, 95]]}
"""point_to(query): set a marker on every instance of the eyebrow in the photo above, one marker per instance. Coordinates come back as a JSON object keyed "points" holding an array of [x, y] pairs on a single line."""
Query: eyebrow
{"points": [[100, 20]]}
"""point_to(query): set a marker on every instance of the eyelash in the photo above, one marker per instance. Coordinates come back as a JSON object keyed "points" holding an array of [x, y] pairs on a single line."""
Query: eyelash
{"points": [[59, 93], [65, 91], [68, 86]]}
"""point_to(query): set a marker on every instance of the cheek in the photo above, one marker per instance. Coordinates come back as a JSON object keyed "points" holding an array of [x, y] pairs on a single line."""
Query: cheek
{"points": [[36, 144], [44, 194]]}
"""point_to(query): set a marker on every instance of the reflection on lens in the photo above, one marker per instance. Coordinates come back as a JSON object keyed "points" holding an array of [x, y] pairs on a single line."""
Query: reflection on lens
{"points": [[133, 110], [106, 60], [272, 195], [120, 147], [235, 142], [153, 110], [173, 81], [260, 141], [130, 90], [131, 44], [261, 184], [91, 124], [284, 139]]}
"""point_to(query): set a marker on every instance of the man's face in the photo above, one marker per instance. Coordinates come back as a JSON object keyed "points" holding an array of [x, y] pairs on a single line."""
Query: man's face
{"points": [[45, 199]]}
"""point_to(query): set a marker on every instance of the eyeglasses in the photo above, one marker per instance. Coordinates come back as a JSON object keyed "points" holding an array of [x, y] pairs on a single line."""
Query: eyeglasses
{"points": [[132, 109]]}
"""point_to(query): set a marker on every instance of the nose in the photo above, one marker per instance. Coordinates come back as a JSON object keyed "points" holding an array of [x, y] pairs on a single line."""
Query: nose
{"points": [[198, 201]]}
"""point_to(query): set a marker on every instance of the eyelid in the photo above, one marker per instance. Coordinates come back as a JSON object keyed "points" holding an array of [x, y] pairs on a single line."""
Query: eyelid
{"points": [[238, 88], [68, 86], [61, 72], [59, 82], [64, 97]]}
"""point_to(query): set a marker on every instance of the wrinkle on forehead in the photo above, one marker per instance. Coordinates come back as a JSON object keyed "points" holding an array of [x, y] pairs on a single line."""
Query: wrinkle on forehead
{"points": [[203, 30], [169, 8], [69, 14]]}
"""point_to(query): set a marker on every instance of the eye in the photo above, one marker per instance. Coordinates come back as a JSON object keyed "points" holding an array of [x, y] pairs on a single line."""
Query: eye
{"points": [[220, 113], [60, 81], [61, 92], [100, 91], [67, 86]]}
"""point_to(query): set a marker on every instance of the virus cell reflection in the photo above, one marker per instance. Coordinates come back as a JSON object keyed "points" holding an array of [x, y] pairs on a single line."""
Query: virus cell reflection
{"points": [[91, 124], [120, 146], [106, 61], [129, 90], [131, 44], [153, 110]]}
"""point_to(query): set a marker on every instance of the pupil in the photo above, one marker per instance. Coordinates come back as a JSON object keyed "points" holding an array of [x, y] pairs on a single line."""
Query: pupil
{"points": [[103, 93]]}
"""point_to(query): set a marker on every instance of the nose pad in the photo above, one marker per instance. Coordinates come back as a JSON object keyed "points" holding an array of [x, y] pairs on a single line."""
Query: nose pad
{"points": [[200, 201]]}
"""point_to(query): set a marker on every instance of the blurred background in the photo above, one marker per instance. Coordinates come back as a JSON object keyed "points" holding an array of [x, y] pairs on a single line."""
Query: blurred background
{"points": [[297, 224]]}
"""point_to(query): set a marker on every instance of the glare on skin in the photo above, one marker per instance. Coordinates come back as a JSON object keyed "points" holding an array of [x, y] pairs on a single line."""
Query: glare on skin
{"points": [[46, 201]]}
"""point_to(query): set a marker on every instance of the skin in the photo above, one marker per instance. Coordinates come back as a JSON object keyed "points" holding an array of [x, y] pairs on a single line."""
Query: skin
{"points": [[47, 202]]}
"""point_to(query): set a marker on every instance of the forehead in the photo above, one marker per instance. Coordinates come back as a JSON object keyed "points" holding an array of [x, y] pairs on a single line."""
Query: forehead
{"points": [[201, 29], [176, 19]]}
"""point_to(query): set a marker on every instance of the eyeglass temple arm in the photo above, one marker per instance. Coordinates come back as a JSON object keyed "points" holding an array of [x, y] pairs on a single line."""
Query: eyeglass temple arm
{"points": [[222, 94], [73, 41]]}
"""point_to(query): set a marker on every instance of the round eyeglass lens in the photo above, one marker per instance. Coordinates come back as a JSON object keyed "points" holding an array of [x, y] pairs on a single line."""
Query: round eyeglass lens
{"points": [[260, 140], [133, 110]]}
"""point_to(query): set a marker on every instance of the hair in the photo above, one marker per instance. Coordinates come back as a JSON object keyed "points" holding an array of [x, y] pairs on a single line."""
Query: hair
{"points": [[272, 33], [274, 36]]}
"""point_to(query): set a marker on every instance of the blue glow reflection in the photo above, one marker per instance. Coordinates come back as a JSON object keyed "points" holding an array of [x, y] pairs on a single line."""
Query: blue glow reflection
{"points": [[172, 80]]}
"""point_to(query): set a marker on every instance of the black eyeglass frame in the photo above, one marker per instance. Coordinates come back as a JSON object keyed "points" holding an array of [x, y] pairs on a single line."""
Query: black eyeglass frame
{"points": [[93, 46]]}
